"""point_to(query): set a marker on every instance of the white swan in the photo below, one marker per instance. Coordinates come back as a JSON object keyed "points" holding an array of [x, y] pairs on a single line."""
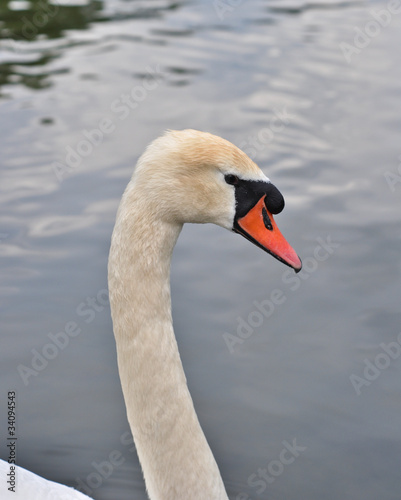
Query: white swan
{"points": [[22, 484], [185, 176]]}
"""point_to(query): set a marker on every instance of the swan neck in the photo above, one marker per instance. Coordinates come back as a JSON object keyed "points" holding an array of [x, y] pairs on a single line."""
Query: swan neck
{"points": [[176, 459]]}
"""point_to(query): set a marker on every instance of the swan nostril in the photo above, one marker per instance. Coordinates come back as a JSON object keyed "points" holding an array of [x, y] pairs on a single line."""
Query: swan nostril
{"points": [[266, 220]]}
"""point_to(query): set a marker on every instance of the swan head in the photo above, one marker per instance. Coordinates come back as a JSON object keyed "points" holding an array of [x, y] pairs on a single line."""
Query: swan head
{"points": [[192, 176]]}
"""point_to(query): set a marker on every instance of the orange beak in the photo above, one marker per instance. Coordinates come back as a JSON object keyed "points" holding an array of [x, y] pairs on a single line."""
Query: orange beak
{"points": [[259, 227]]}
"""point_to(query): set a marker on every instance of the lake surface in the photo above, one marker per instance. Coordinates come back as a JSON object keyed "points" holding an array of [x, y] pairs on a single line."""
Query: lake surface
{"points": [[312, 92]]}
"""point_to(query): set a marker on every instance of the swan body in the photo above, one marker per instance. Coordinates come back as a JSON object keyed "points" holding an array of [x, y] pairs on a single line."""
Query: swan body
{"points": [[30, 486], [183, 176]]}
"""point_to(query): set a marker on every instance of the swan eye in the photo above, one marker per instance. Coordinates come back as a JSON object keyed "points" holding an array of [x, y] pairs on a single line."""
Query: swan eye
{"points": [[232, 179]]}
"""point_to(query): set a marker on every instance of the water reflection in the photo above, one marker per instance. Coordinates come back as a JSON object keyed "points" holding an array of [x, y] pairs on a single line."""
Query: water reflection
{"points": [[28, 27], [291, 9], [28, 21], [24, 23]]}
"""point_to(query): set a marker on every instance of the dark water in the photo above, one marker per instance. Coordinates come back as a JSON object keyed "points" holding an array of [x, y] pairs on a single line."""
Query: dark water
{"points": [[308, 404]]}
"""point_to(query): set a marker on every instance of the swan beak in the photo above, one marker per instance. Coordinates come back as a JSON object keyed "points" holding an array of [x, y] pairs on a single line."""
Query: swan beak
{"points": [[259, 226]]}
